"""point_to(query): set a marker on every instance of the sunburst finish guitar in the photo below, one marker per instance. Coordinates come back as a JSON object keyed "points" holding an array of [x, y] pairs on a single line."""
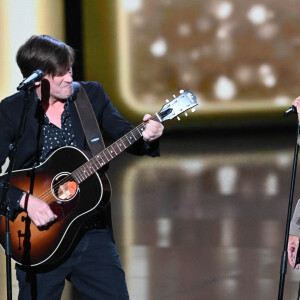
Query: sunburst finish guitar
{"points": [[74, 186]]}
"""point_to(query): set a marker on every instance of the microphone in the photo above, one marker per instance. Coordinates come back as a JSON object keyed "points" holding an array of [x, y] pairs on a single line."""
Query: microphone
{"points": [[291, 110], [31, 80]]}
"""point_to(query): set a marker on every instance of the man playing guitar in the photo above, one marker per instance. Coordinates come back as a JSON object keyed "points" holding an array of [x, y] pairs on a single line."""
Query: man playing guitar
{"points": [[52, 122]]}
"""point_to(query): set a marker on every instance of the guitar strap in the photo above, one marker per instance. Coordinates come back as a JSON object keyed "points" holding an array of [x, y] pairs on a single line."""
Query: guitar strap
{"points": [[88, 119], [94, 138]]}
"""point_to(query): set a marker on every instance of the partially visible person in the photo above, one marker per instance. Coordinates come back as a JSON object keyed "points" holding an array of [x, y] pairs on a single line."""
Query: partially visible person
{"points": [[293, 242]]}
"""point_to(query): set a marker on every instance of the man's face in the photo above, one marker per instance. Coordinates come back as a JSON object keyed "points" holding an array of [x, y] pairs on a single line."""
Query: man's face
{"points": [[61, 85]]}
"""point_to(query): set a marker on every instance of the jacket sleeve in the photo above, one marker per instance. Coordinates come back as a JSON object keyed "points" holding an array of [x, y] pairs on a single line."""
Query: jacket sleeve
{"points": [[295, 222], [115, 125], [7, 133]]}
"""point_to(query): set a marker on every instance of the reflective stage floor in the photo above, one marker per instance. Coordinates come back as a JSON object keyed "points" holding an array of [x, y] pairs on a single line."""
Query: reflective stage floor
{"points": [[206, 220]]}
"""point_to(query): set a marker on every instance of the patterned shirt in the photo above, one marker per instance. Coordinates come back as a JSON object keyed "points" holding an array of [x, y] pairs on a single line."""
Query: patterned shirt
{"points": [[54, 137]]}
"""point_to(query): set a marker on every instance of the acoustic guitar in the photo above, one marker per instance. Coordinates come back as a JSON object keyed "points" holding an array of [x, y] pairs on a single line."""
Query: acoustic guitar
{"points": [[74, 186]]}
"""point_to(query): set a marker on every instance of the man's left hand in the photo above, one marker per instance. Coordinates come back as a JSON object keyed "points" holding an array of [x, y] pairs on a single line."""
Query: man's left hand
{"points": [[153, 129]]}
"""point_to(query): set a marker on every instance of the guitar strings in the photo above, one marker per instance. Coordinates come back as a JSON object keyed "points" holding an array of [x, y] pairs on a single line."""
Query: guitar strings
{"points": [[48, 194], [93, 161]]}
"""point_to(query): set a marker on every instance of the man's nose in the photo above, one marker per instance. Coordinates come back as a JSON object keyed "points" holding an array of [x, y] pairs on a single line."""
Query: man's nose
{"points": [[68, 77]]}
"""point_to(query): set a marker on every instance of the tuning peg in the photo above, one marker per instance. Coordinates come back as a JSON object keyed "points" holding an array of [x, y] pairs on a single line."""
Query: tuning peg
{"points": [[178, 118], [174, 96], [186, 114], [181, 91], [193, 109], [167, 100]]}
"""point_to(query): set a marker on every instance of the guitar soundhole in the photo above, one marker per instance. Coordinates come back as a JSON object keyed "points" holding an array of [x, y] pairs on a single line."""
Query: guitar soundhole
{"points": [[64, 187]]}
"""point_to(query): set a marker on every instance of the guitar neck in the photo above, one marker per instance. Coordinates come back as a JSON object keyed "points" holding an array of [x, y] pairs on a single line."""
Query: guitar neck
{"points": [[105, 156]]}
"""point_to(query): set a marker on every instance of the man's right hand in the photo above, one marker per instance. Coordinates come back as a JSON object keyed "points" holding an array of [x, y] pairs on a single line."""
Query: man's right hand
{"points": [[292, 250], [38, 210]]}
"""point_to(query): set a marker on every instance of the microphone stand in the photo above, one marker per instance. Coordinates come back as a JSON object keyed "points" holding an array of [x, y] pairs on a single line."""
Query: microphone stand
{"points": [[284, 256], [12, 154]]}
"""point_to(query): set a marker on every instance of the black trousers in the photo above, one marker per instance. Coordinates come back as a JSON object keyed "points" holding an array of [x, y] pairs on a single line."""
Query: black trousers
{"points": [[94, 268]]}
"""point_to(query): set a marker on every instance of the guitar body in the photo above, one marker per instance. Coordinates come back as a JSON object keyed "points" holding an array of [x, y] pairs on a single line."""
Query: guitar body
{"points": [[33, 245]]}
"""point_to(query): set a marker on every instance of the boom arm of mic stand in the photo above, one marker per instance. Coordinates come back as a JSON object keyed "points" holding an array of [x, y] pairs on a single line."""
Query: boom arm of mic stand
{"points": [[284, 257]]}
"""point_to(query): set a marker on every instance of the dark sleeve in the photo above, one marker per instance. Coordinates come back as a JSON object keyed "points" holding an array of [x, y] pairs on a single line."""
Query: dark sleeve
{"points": [[295, 222], [7, 132], [115, 125]]}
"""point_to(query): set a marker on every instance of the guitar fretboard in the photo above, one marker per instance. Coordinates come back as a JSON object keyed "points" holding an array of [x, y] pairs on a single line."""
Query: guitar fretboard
{"points": [[105, 156]]}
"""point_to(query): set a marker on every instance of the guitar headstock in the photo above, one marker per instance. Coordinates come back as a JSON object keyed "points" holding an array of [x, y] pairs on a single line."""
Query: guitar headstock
{"points": [[186, 100]]}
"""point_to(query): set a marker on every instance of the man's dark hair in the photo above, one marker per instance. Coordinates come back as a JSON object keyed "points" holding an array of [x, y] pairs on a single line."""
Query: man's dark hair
{"points": [[46, 53]]}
